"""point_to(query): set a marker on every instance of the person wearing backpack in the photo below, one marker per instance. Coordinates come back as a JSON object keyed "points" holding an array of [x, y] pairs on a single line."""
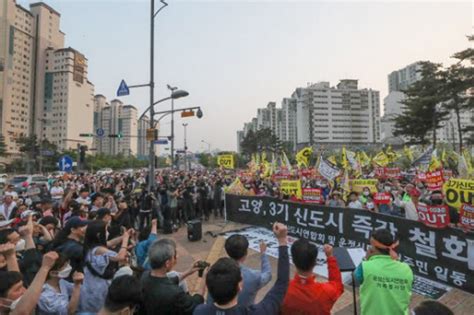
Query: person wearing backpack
{"points": [[100, 266]]}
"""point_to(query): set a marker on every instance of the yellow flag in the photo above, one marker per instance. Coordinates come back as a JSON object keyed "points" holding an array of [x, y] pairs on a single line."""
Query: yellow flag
{"points": [[434, 163], [344, 161], [381, 159], [364, 159], [444, 157], [408, 153], [332, 159], [302, 157]]}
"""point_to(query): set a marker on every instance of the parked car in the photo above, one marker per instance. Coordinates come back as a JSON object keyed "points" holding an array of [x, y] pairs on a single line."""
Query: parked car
{"points": [[19, 181], [104, 171]]}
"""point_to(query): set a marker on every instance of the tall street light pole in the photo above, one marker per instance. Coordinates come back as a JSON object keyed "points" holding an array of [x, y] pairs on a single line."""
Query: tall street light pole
{"points": [[208, 146], [151, 161], [172, 89], [185, 149]]}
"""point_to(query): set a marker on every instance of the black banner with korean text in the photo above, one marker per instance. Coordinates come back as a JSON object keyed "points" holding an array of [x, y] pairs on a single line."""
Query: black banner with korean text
{"points": [[443, 255]]}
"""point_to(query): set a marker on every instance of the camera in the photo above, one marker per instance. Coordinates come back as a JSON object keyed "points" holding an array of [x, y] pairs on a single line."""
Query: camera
{"points": [[202, 265]]}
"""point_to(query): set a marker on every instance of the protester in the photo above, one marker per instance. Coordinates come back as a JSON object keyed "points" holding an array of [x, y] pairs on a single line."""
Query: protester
{"points": [[305, 295], [162, 294], [58, 295], [100, 266], [236, 247], [225, 281], [385, 282], [123, 297]]}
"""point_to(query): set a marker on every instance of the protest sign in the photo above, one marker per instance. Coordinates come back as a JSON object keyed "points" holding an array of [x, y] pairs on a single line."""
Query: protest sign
{"points": [[226, 161], [328, 170], [359, 184], [442, 255], [291, 188], [433, 216], [382, 198], [466, 216], [312, 195], [434, 180], [458, 191]]}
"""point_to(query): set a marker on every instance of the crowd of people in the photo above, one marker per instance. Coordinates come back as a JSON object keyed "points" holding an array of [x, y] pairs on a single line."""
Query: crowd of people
{"points": [[89, 244]]}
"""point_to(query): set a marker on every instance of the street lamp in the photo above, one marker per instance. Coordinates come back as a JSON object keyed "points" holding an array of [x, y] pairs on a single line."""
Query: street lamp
{"points": [[172, 89], [185, 149], [208, 146]]}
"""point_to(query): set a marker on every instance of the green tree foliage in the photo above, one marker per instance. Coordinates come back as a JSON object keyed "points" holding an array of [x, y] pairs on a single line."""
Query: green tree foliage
{"points": [[459, 79], [262, 139], [421, 113]]}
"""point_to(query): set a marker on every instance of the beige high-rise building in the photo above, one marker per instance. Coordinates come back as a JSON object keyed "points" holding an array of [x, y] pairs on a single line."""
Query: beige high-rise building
{"points": [[68, 102], [143, 147], [43, 86], [17, 44], [120, 119], [48, 37], [100, 102]]}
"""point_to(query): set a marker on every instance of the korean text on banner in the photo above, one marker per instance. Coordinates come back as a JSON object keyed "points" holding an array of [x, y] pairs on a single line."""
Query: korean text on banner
{"points": [[458, 191], [442, 255], [434, 180], [312, 195], [466, 216], [433, 216], [358, 185], [291, 188], [226, 161]]}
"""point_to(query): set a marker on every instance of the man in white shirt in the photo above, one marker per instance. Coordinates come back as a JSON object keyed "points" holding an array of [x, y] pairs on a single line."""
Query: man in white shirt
{"points": [[57, 193], [354, 201], [8, 206]]}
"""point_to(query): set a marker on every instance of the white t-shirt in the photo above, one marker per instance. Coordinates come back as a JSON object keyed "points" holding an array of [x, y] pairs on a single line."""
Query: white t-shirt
{"points": [[355, 205], [57, 192]]}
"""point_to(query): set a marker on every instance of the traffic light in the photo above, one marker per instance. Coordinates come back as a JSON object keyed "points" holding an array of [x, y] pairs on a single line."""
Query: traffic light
{"points": [[86, 135], [82, 153]]}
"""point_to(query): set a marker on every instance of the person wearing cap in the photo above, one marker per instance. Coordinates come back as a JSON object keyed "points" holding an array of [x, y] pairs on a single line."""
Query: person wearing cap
{"points": [[69, 242], [385, 282], [437, 199], [409, 205]]}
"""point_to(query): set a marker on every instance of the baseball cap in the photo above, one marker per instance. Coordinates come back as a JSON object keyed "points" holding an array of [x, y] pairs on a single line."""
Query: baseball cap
{"points": [[414, 192], [75, 222]]}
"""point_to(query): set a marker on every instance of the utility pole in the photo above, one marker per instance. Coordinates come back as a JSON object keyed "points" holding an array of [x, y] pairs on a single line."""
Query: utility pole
{"points": [[151, 175]]}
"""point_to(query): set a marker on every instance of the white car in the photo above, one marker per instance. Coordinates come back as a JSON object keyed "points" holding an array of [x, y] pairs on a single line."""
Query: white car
{"points": [[104, 171]]}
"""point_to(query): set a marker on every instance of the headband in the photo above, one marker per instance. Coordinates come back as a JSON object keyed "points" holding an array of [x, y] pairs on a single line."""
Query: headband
{"points": [[391, 248]]}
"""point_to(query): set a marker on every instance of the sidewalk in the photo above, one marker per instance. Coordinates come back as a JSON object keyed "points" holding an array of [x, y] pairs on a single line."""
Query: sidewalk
{"points": [[210, 249]]}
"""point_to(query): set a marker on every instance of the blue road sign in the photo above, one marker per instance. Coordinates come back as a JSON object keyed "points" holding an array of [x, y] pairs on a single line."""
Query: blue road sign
{"points": [[100, 132], [161, 141], [123, 89], [65, 163]]}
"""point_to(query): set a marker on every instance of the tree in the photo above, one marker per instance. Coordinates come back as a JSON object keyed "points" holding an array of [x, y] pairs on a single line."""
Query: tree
{"points": [[3, 146], [262, 139], [422, 112], [459, 79], [28, 145]]}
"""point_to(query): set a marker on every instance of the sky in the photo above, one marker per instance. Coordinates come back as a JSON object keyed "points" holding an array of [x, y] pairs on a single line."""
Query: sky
{"points": [[236, 56]]}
